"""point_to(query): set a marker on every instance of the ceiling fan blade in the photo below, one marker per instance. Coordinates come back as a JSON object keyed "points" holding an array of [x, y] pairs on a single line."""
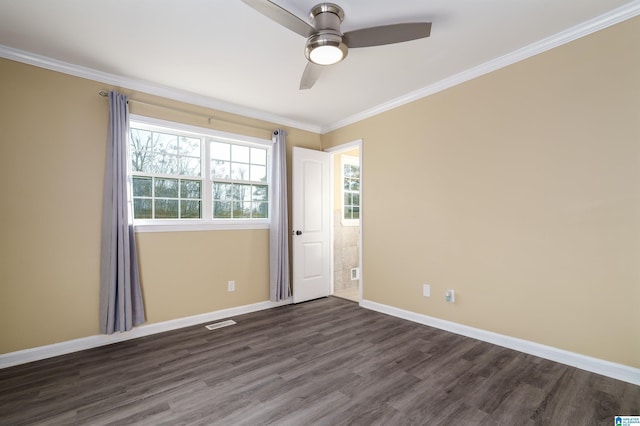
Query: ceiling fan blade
{"points": [[310, 75], [387, 34], [281, 16]]}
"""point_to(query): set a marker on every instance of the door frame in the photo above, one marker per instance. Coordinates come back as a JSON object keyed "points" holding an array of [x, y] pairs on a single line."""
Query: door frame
{"points": [[336, 150]]}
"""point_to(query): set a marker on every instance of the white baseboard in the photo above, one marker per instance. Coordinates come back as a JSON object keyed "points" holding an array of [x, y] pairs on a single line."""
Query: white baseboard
{"points": [[48, 351], [594, 365]]}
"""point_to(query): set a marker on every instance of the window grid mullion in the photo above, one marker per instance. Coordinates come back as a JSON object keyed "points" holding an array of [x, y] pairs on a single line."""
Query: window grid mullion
{"points": [[207, 183], [153, 197]]}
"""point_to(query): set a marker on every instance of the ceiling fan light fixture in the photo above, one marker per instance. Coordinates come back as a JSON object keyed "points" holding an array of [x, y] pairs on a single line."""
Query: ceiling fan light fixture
{"points": [[325, 49], [326, 55]]}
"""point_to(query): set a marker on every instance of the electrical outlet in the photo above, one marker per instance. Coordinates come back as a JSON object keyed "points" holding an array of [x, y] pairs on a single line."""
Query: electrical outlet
{"points": [[231, 286], [450, 296]]}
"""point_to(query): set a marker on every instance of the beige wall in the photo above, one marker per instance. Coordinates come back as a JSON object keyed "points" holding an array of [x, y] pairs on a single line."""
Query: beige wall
{"points": [[521, 192], [52, 156]]}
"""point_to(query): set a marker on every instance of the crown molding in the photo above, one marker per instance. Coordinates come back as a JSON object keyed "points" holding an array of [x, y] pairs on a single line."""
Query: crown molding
{"points": [[150, 88], [608, 19]]}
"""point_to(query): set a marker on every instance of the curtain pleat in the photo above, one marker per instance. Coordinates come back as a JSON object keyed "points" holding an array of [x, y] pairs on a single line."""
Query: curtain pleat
{"points": [[121, 305], [279, 229]]}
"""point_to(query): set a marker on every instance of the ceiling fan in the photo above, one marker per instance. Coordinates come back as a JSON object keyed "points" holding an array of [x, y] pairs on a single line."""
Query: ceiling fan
{"points": [[326, 44]]}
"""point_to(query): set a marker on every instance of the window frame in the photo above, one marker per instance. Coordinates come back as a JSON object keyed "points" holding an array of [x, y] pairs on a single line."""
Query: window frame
{"points": [[354, 161], [207, 222]]}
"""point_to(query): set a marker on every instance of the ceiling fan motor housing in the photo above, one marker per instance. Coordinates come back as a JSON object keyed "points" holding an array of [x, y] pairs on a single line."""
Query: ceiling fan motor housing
{"points": [[326, 19], [326, 16]]}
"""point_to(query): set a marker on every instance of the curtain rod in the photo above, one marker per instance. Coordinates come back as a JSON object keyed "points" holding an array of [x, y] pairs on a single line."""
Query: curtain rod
{"points": [[105, 93]]}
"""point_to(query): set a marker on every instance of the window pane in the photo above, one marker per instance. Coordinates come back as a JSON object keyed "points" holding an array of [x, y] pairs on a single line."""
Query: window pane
{"points": [[166, 209], [190, 188], [221, 191], [142, 208], [167, 188], [189, 166], [260, 210], [166, 143], [241, 209], [260, 192], [141, 186], [164, 164], [222, 209], [189, 209], [141, 161], [347, 199], [259, 156], [220, 151], [355, 199], [220, 169], [258, 173], [351, 171], [140, 146], [355, 186], [242, 192], [240, 153], [347, 212], [356, 212], [140, 140], [189, 146], [239, 171]]}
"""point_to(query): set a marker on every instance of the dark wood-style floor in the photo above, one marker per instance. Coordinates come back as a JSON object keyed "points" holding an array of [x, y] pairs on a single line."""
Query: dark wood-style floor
{"points": [[325, 362]]}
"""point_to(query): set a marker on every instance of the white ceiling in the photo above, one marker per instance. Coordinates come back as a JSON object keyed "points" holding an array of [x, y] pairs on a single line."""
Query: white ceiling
{"points": [[226, 52]]}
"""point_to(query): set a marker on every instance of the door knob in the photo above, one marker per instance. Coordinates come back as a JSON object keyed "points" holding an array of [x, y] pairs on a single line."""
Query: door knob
{"points": [[298, 232]]}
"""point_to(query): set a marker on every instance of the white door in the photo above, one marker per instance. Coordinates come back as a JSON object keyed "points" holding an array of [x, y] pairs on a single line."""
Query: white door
{"points": [[311, 214]]}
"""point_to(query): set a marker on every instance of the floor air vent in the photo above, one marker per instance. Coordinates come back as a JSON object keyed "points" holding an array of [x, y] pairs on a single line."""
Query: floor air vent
{"points": [[220, 324]]}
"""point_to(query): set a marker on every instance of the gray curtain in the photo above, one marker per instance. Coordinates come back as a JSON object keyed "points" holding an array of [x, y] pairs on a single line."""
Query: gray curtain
{"points": [[121, 305], [279, 228]]}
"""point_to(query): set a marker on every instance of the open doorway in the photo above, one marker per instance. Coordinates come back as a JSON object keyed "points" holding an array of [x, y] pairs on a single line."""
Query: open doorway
{"points": [[347, 212]]}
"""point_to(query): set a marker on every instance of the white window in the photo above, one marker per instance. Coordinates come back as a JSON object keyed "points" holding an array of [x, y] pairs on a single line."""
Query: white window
{"points": [[350, 190], [185, 177], [239, 178]]}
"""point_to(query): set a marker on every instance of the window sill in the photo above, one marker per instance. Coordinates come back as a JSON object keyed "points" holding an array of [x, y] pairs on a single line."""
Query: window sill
{"points": [[350, 222], [199, 226]]}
